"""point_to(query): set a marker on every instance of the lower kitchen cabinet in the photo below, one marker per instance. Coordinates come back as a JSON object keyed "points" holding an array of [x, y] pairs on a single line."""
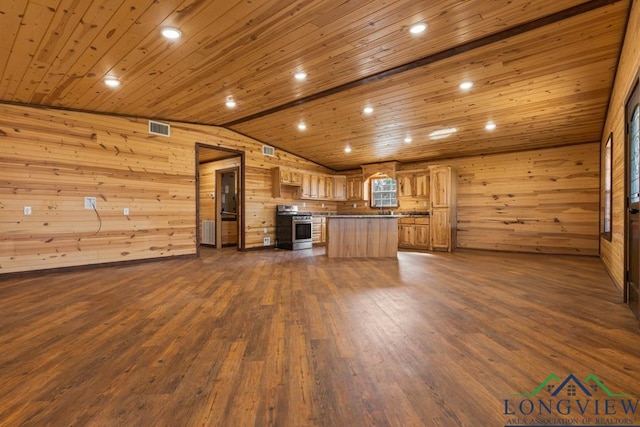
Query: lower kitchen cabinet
{"points": [[413, 233], [319, 230]]}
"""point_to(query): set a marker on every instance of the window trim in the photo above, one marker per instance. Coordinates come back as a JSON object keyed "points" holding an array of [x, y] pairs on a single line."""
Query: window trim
{"points": [[607, 186], [373, 193]]}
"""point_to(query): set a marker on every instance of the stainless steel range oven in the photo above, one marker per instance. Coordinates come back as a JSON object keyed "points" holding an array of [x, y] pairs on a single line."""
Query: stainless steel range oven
{"points": [[293, 228]]}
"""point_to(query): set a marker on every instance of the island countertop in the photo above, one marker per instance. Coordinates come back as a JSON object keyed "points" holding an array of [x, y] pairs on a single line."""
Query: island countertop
{"points": [[364, 216], [351, 236]]}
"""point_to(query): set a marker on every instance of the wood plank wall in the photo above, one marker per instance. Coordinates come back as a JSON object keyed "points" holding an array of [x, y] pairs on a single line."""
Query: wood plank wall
{"points": [[612, 252], [541, 201], [50, 159]]}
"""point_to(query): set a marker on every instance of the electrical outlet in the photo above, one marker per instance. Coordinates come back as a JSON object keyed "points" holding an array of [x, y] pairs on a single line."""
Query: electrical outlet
{"points": [[323, 205], [264, 230], [26, 210], [90, 203], [304, 204], [125, 211], [355, 205], [266, 241]]}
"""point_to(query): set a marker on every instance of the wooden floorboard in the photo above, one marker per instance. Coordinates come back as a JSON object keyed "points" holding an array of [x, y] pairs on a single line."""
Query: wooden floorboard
{"points": [[293, 338]]}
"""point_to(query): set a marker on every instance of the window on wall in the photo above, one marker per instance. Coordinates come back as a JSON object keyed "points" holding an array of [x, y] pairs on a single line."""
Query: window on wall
{"points": [[607, 171], [635, 155], [384, 192]]}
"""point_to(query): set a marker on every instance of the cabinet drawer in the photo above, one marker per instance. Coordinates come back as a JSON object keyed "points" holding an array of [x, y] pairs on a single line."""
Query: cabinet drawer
{"points": [[421, 221]]}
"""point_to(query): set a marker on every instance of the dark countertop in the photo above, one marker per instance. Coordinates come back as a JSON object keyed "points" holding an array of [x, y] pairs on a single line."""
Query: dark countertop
{"points": [[359, 214]]}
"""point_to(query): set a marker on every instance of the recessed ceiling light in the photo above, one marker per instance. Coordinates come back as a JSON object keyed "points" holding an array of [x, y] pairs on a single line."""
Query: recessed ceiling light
{"points": [[466, 85], [171, 33], [368, 110], [112, 82], [408, 140], [347, 149], [418, 28], [231, 103], [442, 133], [302, 126], [490, 126], [300, 75]]}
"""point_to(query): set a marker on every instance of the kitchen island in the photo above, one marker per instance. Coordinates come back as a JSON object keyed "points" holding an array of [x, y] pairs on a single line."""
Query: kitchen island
{"points": [[357, 236]]}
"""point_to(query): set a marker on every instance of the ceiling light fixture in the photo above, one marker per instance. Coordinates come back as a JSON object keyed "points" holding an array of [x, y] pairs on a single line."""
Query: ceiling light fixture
{"points": [[368, 110], [171, 33], [347, 149], [466, 85], [112, 82], [490, 126], [408, 140], [231, 103], [418, 28], [443, 133], [302, 126], [300, 75]]}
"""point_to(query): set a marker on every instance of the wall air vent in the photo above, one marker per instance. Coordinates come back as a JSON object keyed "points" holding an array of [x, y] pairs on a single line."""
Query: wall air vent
{"points": [[268, 150], [158, 128]]}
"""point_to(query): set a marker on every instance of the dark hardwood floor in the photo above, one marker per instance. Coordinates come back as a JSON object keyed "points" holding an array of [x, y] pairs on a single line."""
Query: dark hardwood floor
{"points": [[294, 339]]}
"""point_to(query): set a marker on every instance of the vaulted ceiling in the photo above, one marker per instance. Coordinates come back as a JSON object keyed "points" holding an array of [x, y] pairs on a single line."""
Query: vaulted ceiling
{"points": [[542, 70]]}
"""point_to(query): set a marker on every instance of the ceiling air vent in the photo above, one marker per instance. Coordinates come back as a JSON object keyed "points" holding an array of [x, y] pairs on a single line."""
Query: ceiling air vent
{"points": [[268, 150], [158, 128]]}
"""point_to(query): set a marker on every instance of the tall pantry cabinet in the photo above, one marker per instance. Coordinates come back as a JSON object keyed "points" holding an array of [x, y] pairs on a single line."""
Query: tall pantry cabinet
{"points": [[442, 229]]}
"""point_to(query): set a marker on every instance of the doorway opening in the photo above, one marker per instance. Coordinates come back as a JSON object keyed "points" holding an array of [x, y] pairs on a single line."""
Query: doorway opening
{"points": [[220, 180]]}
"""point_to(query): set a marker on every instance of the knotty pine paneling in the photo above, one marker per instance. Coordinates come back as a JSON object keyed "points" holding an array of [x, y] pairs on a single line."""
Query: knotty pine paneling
{"points": [[542, 201], [612, 252], [51, 159]]}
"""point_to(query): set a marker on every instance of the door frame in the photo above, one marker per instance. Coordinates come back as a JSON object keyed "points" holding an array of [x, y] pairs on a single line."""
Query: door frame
{"points": [[240, 191], [635, 83], [218, 209]]}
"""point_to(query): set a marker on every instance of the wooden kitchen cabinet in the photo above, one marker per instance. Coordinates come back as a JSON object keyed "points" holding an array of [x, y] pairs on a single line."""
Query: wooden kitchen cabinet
{"points": [[413, 184], [339, 188], [421, 184], [319, 230], [413, 233], [442, 230], [325, 187], [322, 187], [406, 232], [315, 187], [421, 233], [305, 187], [283, 176], [406, 184], [354, 187]]}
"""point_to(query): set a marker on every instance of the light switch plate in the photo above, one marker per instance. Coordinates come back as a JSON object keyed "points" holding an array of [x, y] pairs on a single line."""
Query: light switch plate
{"points": [[26, 210], [125, 211]]}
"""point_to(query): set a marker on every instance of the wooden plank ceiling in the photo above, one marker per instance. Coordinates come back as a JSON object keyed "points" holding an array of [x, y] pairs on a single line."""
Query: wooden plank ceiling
{"points": [[542, 70]]}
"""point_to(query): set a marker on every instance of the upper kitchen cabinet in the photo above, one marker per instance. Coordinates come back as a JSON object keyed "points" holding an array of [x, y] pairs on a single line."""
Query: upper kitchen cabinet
{"points": [[340, 187], [322, 187], [355, 185], [413, 184], [442, 228], [283, 176]]}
